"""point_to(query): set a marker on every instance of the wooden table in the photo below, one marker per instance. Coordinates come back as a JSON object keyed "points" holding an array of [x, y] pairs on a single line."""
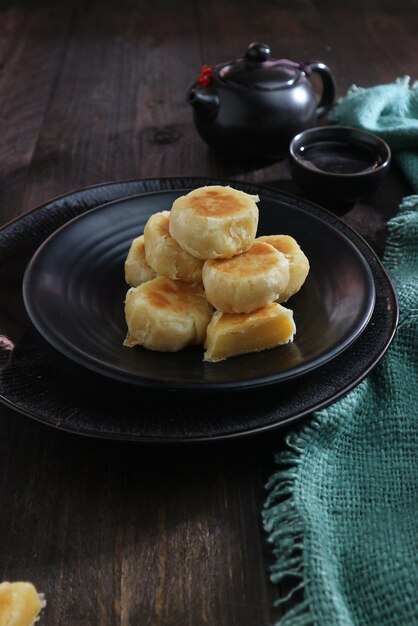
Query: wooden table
{"points": [[92, 92]]}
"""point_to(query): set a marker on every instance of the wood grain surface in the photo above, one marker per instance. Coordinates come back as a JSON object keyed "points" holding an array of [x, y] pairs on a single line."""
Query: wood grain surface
{"points": [[92, 92]]}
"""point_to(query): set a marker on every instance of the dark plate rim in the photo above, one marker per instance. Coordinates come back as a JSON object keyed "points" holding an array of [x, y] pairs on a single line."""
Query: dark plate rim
{"points": [[83, 358], [259, 430]]}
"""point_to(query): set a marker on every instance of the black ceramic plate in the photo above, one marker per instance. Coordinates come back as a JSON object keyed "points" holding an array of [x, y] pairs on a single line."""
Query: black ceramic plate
{"points": [[39, 382], [74, 291]]}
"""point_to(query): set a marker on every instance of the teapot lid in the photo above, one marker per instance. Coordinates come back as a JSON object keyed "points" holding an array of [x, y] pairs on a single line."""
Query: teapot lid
{"points": [[256, 70]]}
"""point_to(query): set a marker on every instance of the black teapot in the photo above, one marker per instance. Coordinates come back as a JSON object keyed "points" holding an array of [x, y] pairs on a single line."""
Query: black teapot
{"points": [[254, 105]]}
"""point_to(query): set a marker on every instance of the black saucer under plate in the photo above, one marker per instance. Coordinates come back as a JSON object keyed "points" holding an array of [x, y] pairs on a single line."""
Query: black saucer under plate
{"points": [[38, 380]]}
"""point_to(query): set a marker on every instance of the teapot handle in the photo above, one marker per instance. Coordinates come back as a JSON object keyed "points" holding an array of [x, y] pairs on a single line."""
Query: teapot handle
{"points": [[328, 87]]}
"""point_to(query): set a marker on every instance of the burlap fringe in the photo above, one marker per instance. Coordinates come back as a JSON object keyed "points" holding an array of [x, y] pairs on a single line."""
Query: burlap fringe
{"points": [[284, 528]]}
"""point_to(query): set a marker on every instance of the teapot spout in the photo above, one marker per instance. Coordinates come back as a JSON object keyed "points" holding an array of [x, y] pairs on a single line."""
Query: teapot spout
{"points": [[204, 103]]}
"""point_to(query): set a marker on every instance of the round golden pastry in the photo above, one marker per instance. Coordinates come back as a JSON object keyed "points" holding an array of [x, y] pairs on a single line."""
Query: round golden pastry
{"points": [[164, 254], [20, 603], [166, 315], [298, 262], [137, 269], [229, 334], [248, 281], [214, 221]]}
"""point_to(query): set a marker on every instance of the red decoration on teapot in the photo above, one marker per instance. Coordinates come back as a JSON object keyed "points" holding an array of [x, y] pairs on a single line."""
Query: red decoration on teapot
{"points": [[205, 74]]}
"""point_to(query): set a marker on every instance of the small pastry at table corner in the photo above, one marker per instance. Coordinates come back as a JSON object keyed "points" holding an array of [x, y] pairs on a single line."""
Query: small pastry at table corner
{"points": [[164, 254], [137, 270], [233, 334], [298, 262], [166, 315], [214, 221], [20, 604], [247, 281]]}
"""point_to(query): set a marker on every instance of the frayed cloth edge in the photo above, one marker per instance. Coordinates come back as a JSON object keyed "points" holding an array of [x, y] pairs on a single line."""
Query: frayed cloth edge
{"points": [[283, 525]]}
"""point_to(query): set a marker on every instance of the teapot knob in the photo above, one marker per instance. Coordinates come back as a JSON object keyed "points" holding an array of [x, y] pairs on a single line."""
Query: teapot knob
{"points": [[257, 52]]}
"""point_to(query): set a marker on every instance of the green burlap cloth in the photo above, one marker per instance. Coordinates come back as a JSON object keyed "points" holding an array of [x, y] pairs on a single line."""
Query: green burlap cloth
{"points": [[342, 509]]}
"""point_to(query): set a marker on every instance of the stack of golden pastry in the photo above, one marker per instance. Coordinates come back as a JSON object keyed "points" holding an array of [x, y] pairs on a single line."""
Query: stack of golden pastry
{"points": [[199, 275]]}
